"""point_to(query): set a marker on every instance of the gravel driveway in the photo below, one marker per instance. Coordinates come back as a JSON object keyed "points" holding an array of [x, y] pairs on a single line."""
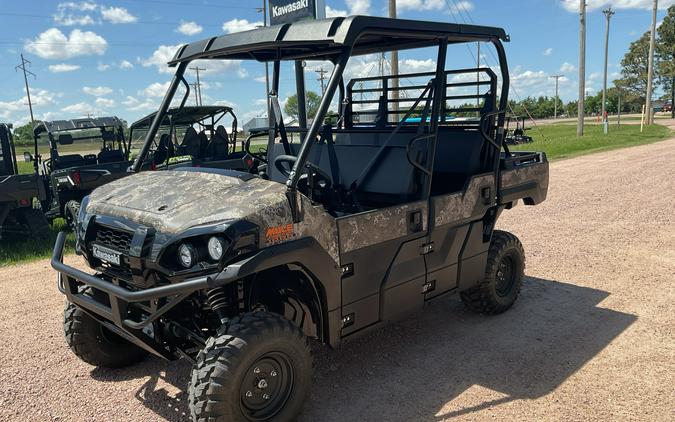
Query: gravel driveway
{"points": [[591, 338]]}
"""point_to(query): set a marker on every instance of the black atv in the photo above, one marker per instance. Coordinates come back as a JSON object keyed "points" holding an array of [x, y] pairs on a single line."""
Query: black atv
{"points": [[20, 194], [193, 136], [83, 155], [516, 136], [360, 223]]}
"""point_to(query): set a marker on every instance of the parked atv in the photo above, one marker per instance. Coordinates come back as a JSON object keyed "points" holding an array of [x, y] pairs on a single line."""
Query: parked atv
{"points": [[83, 155], [194, 136], [516, 136], [19, 214], [359, 224]]}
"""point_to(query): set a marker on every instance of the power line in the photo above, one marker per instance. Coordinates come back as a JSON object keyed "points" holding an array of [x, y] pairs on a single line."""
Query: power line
{"points": [[26, 72]]}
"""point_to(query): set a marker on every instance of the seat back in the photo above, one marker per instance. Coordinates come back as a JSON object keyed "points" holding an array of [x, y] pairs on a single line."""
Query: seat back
{"points": [[110, 156], [66, 161], [217, 149], [191, 144], [457, 158]]}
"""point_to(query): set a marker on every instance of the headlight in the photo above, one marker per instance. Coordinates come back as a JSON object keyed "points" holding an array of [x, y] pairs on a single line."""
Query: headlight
{"points": [[187, 255], [216, 248]]}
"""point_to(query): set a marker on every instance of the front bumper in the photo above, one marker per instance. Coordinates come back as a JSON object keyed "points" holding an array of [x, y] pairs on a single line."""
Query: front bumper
{"points": [[114, 314]]}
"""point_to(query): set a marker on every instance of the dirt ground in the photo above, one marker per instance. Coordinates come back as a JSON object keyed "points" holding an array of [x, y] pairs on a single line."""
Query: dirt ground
{"points": [[592, 336]]}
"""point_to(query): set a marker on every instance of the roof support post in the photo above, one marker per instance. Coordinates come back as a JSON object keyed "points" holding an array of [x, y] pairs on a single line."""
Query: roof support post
{"points": [[156, 122], [333, 83], [438, 100], [300, 89]]}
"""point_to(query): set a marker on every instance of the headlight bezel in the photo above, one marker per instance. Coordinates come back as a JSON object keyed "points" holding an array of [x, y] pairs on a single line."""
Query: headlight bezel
{"points": [[187, 249], [216, 247]]}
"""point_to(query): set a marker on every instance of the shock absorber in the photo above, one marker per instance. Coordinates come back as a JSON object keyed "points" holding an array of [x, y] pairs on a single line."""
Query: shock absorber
{"points": [[220, 302]]}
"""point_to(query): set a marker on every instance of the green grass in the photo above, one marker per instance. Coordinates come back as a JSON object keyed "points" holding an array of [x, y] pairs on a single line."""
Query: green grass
{"points": [[560, 140], [18, 249]]}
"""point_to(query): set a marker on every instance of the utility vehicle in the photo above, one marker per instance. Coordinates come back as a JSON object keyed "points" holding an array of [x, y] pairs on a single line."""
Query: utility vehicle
{"points": [[204, 136], [18, 192], [361, 223], [96, 152], [516, 136]]}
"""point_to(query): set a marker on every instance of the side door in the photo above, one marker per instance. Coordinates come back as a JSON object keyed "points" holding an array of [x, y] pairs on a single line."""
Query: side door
{"points": [[383, 268]]}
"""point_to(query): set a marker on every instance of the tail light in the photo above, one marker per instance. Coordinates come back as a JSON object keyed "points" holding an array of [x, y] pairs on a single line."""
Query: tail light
{"points": [[23, 202], [75, 178]]}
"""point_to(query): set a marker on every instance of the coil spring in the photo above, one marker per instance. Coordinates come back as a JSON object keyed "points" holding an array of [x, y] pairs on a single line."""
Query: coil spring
{"points": [[218, 300]]}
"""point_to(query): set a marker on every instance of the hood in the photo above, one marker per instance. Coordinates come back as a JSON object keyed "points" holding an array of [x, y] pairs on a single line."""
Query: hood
{"points": [[174, 200]]}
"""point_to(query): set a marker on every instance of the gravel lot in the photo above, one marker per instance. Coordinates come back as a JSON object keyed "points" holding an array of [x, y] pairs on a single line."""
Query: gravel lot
{"points": [[591, 338]]}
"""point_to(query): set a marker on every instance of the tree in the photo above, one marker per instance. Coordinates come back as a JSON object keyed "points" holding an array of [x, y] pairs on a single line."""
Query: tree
{"points": [[665, 50], [24, 134], [634, 66], [313, 100]]}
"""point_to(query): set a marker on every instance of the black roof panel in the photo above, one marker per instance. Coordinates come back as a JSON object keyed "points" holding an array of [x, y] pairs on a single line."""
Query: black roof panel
{"points": [[77, 124], [184, 115], [327, 37]]}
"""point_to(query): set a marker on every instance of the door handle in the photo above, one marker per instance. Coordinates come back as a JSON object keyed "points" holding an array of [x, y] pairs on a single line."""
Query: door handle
{"points": [[415, 224]]}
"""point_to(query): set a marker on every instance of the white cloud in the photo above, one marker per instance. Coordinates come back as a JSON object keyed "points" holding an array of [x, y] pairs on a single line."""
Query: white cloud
{"points": [[594, 76], [260, 79], [101, 67], [164, 53], [417, 66], [54, 44], [567, 67], [334, 13], [189, 28], [358, 7], [573, 5], [117, 15], [79, 109], [547, 52], [160, 57], [155, 90], [134, 104], [125, 65], [238, 25], [105, 102], [98, 91], [74, 13], [17, 110], [62, 67]]}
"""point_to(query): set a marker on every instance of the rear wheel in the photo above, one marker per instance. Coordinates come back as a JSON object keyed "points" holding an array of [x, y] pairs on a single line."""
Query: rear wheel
{"points": [[95, 344], [257, 368], [503, 276], [34, 221]]}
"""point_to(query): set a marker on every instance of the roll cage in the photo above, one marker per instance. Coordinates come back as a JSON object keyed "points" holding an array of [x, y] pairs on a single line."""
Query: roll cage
{"points": [[65, 132], [336, 40]]}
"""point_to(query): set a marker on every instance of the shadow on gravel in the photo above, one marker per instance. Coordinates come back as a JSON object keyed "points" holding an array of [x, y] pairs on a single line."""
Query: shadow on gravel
{"points": [[415, 369]]}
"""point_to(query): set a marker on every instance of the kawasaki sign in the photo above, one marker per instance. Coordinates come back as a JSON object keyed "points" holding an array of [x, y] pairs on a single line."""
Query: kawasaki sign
{"points": [[286, 11]]}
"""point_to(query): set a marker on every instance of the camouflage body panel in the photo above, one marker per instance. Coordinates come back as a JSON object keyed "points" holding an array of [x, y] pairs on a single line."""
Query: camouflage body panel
{"points": [[174, 201], [378, 226], [532, 178], [459, 206]]}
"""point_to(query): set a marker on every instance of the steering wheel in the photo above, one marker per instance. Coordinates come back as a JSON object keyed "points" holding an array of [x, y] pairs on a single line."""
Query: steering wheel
{"points": [[261, 155], [280, 160]]}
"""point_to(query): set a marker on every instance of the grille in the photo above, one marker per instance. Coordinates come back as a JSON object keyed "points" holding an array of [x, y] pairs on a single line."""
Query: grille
{"points": [[117, 240]]}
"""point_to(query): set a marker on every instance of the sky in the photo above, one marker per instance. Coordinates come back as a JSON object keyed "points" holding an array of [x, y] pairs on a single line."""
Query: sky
{"points": [[109, 57]]}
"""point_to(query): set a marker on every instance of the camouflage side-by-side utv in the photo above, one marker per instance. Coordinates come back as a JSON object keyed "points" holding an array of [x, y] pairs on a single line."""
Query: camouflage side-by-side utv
{"points": [[18, 213], [361, 223], [94, 151]]}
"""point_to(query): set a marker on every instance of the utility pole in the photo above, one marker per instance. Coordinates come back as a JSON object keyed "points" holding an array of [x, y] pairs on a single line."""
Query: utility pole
{"points": [[322, 77], [478, 74], [394, 68], [650, 71], [582, 67], [26, 72], [198, 87], [263, 10], [555, 100], [608, 14], [194, 86]]}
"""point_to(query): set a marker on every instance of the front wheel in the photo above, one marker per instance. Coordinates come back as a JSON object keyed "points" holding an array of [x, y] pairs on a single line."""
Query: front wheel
{"points": [[71, 210], [95, 344], [503, 276], [257, 368]]}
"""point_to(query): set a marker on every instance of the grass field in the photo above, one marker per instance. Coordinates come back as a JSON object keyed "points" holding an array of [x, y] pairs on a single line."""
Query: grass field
{"points": [[14, 249], [560, 140]]}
